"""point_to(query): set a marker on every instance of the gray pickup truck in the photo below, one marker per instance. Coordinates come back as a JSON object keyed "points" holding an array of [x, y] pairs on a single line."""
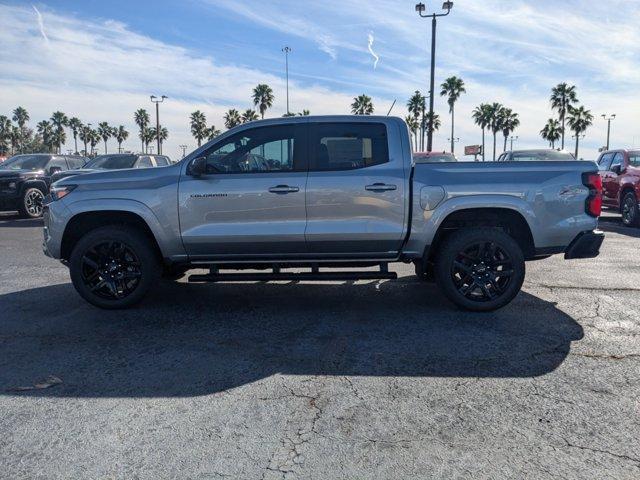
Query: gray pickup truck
{"points": [[320, 198]]}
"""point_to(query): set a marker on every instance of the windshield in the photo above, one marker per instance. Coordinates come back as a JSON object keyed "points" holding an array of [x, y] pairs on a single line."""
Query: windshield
{"points": [[112, 162], [26, 162], [542, 155]]}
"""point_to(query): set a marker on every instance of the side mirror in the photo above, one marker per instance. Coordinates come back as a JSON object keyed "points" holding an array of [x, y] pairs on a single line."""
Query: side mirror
{"points": [[53, 170], [197, 167], [617, 169]]}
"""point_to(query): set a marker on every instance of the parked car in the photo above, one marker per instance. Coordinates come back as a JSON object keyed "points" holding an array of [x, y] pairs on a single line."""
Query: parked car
{"points": [[620, 170], [117, 161], [535, 156], [434, 157], [25, 179], [333, 192]]}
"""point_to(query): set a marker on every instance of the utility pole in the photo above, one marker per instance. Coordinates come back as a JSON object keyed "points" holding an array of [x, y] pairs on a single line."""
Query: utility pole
{"points": [[512, 139], [608, 118], [184, 150], [286, 51], [158, 101], [420, 8]]}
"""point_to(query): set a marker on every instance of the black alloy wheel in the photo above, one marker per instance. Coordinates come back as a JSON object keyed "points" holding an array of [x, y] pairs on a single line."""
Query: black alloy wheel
{"points": [[111, 270]]}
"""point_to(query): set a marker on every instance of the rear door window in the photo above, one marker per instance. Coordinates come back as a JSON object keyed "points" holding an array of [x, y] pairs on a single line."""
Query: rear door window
{"points": [[144, 162], [348, 146], [634, 159], [161, 161]]}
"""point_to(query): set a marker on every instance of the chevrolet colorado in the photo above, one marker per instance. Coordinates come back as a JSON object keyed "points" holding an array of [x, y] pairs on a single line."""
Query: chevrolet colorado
{"points": [[325, 194]]}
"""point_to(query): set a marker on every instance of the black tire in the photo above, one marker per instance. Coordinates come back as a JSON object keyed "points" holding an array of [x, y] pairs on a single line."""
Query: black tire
{"points": [[423, 272], [31, 203], [469, 265], [114, 267], [629, 210]]}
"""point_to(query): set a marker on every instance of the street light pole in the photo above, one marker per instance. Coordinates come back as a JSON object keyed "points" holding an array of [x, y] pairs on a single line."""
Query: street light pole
{"points": [[420, 8], [608, 118], [512, 139], [286, 51], [158, 101], [184, 150]]}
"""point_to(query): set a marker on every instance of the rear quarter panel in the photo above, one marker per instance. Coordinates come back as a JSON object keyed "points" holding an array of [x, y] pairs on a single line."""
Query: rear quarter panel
{"points": [[549, 195]]}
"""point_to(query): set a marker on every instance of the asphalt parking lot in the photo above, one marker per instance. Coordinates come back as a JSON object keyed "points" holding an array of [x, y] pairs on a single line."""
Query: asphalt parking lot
{"points": [[356, 380]]}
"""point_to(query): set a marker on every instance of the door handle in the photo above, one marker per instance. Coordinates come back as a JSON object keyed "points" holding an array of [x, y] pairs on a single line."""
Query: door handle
{"points": [[380, 187], [284, 189]]}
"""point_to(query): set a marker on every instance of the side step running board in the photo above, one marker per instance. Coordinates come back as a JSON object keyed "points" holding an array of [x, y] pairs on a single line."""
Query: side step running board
{"points": [[292, 276]]}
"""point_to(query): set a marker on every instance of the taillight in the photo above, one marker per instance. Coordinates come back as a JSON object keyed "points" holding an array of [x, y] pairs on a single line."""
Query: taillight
{"points": [[593, 205]]}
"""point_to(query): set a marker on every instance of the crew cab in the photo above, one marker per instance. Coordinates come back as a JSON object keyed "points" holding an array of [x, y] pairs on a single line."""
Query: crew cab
{"points": [[620, 170], [25, 180], [327, 197]]}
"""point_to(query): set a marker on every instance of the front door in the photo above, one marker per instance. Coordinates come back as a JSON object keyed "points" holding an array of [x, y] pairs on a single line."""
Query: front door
{"points": [[251, 201], [611, 181], [355, 190]]}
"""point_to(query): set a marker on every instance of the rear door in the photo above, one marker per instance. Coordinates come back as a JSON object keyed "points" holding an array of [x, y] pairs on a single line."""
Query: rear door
{"points": [[251, 202], [355, 189]]}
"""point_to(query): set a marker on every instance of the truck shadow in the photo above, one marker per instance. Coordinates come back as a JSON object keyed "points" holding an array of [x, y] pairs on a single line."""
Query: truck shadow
{"points": [[189, 340]]}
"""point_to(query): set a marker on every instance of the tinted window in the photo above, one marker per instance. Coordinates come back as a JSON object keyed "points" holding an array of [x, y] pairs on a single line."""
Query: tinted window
{"points": [[112, 162], [634, 159], [26, 162], [540, 156], [144, 162], [258, 150], [75, 162], [346, 146], [162, 161], [58, 163]]}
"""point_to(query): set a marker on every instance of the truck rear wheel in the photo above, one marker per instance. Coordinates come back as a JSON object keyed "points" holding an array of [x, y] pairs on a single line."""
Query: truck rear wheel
{"points": [[630, 211], [480, 269], [114, 267]]}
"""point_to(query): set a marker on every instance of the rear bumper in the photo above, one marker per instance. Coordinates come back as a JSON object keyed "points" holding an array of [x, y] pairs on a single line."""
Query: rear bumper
{"points": [[585, 245]]}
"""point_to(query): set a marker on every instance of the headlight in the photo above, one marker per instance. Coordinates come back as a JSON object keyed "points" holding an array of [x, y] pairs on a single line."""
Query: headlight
{"points": [[60, 192]]}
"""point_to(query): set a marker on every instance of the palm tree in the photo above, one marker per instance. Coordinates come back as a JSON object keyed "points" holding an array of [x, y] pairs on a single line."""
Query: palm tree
{"points": [[251, 115], [59, 120], [304, 113], [263, 98], [141, 117], [362, 105], [94, 138], [579, 120], [21, 117], [232, 118], [5, 134], [482, 116], [494, 111], [121, 135], [212, 132], [198, 124], [15, 138], [413, 125], [85, 136], [75, 125], [562, 98], [417, 105], [452, 88], [164, 134], [432, 122], [551, 132], [509, 122], [45, 129], [149, 136], [106, 132]]}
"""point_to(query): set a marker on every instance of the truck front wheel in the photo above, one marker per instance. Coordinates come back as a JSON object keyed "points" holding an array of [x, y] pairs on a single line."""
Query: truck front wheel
{"points": [[480, 269], [114, 267]]}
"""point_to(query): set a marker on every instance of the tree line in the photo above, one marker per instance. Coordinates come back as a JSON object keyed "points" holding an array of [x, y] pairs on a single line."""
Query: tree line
{"points": [[495, 118]]}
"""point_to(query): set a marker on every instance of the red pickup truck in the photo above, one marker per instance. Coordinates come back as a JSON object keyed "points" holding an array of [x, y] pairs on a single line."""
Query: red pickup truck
{"points": [[620, 171]]}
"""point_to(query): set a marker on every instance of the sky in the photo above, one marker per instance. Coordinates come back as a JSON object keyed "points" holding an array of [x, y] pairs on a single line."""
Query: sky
{"points": [[100, 61]]}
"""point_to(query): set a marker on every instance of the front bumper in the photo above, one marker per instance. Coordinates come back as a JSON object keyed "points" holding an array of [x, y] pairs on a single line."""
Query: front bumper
{"points": [[55, 216], [585, 245]]}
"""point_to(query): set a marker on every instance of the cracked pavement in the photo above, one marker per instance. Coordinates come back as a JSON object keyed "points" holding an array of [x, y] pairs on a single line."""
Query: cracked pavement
{"points": [[321, 381]]}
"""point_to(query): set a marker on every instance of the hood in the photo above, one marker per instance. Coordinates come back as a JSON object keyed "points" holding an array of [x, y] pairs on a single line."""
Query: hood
{"points": [[70, 173], [125, 178], [6, 173]]}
